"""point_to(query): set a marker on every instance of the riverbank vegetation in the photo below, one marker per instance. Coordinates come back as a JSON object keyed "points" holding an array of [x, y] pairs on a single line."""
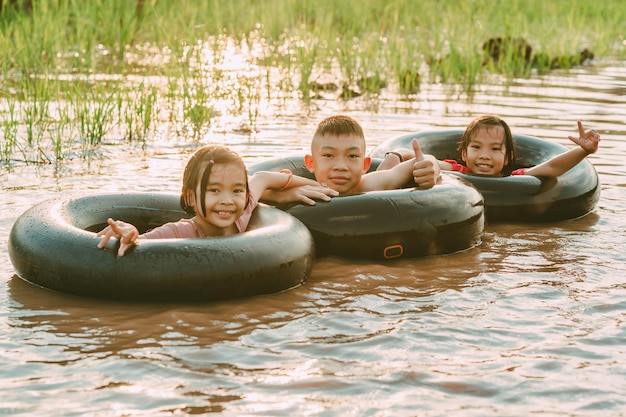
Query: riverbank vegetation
{"points": [[80, 73]]}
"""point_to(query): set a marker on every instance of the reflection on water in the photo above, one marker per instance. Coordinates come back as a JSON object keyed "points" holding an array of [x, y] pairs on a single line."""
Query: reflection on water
{"points": [[529, 322], [119, 326]]}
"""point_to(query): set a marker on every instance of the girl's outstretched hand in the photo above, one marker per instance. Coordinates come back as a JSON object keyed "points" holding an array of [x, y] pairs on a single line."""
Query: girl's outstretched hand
{"points": [[306, 194], [588, 140], [126, 233]]}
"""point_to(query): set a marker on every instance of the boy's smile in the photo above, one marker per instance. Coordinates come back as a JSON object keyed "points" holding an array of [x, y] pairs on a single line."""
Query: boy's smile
{"points": [[338, 162]]}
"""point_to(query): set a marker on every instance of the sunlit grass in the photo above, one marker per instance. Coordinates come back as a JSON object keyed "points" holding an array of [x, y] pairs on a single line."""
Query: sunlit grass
{"points": [[76, 71]]}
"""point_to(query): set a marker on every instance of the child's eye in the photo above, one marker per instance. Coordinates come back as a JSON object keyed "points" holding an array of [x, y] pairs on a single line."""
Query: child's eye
{"points": [[354, 156], [240, 190], [212, 190], [327, 155]]}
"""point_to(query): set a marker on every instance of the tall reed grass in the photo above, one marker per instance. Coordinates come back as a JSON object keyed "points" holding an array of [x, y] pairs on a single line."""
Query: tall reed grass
{"points": [[81, 68]]}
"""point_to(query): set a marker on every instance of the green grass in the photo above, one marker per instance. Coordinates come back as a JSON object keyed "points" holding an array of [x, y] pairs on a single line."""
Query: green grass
{"points": [[79, 67]]}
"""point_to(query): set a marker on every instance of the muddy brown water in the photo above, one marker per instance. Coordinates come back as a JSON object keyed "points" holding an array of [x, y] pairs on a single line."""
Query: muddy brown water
{"points": [[529, 322]]}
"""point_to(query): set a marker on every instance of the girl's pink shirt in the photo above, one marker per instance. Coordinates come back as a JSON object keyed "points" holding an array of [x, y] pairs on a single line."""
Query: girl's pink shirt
{"points": [[187, 228]]}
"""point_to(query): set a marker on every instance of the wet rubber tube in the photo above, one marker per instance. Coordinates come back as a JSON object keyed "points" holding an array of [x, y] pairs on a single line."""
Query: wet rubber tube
{"points": [[521, 198], [404, 223], [54, 245]]}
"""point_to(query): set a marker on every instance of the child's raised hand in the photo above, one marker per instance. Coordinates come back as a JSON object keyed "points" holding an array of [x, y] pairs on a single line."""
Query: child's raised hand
{"points": [[588, 140], [307, 194], [419, 156], [125, 232], [425, 169]]}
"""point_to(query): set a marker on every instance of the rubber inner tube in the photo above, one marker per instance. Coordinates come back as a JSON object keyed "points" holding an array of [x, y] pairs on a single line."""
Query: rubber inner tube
{"points": [[53, 245], [521, 198], [378, 225]]}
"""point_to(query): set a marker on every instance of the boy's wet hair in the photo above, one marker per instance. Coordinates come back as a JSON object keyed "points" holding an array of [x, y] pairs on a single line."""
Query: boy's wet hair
{"points": [[486, 121], [200, 166], [339, 126]]}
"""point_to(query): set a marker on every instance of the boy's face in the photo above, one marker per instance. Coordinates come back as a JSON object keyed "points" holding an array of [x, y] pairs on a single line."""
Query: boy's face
{"points": [[338, 162]]}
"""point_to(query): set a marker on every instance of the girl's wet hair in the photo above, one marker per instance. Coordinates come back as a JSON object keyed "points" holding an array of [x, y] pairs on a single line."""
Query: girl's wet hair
{"points": [[200, 166], [487, 121]]}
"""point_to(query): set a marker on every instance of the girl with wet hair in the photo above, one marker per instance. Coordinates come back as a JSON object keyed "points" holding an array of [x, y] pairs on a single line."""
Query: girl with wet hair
{"points": [[490, 122], [216, 191], [486, 148], [198, 171]]}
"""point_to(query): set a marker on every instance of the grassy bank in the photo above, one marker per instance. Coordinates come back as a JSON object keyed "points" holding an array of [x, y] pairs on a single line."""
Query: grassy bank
{"points": [[116, 68]]}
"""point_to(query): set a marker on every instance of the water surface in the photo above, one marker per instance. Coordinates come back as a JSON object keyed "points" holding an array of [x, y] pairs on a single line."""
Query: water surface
{"points": [[529, 322]]}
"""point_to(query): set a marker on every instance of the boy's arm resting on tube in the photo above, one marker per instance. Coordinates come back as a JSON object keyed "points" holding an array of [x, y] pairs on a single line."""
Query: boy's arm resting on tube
{"points": [[587, 144], [423, 170], [395, 157]]}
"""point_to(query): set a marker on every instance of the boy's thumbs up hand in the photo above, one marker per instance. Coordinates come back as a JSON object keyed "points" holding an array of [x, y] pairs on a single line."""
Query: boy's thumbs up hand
{"points": [[425, 169], [419, 156]]}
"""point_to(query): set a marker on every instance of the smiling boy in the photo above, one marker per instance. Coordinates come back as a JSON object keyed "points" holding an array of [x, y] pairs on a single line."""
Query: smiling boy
{"points": [[338, 160]]}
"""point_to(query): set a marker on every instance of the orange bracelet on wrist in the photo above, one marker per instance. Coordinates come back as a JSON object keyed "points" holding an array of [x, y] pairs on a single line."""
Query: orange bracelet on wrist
{"points": [[289, 179]]}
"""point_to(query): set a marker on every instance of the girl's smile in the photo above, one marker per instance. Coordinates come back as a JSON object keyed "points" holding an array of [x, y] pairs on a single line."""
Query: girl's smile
{"points": [[225, 199], [485, 154]]}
